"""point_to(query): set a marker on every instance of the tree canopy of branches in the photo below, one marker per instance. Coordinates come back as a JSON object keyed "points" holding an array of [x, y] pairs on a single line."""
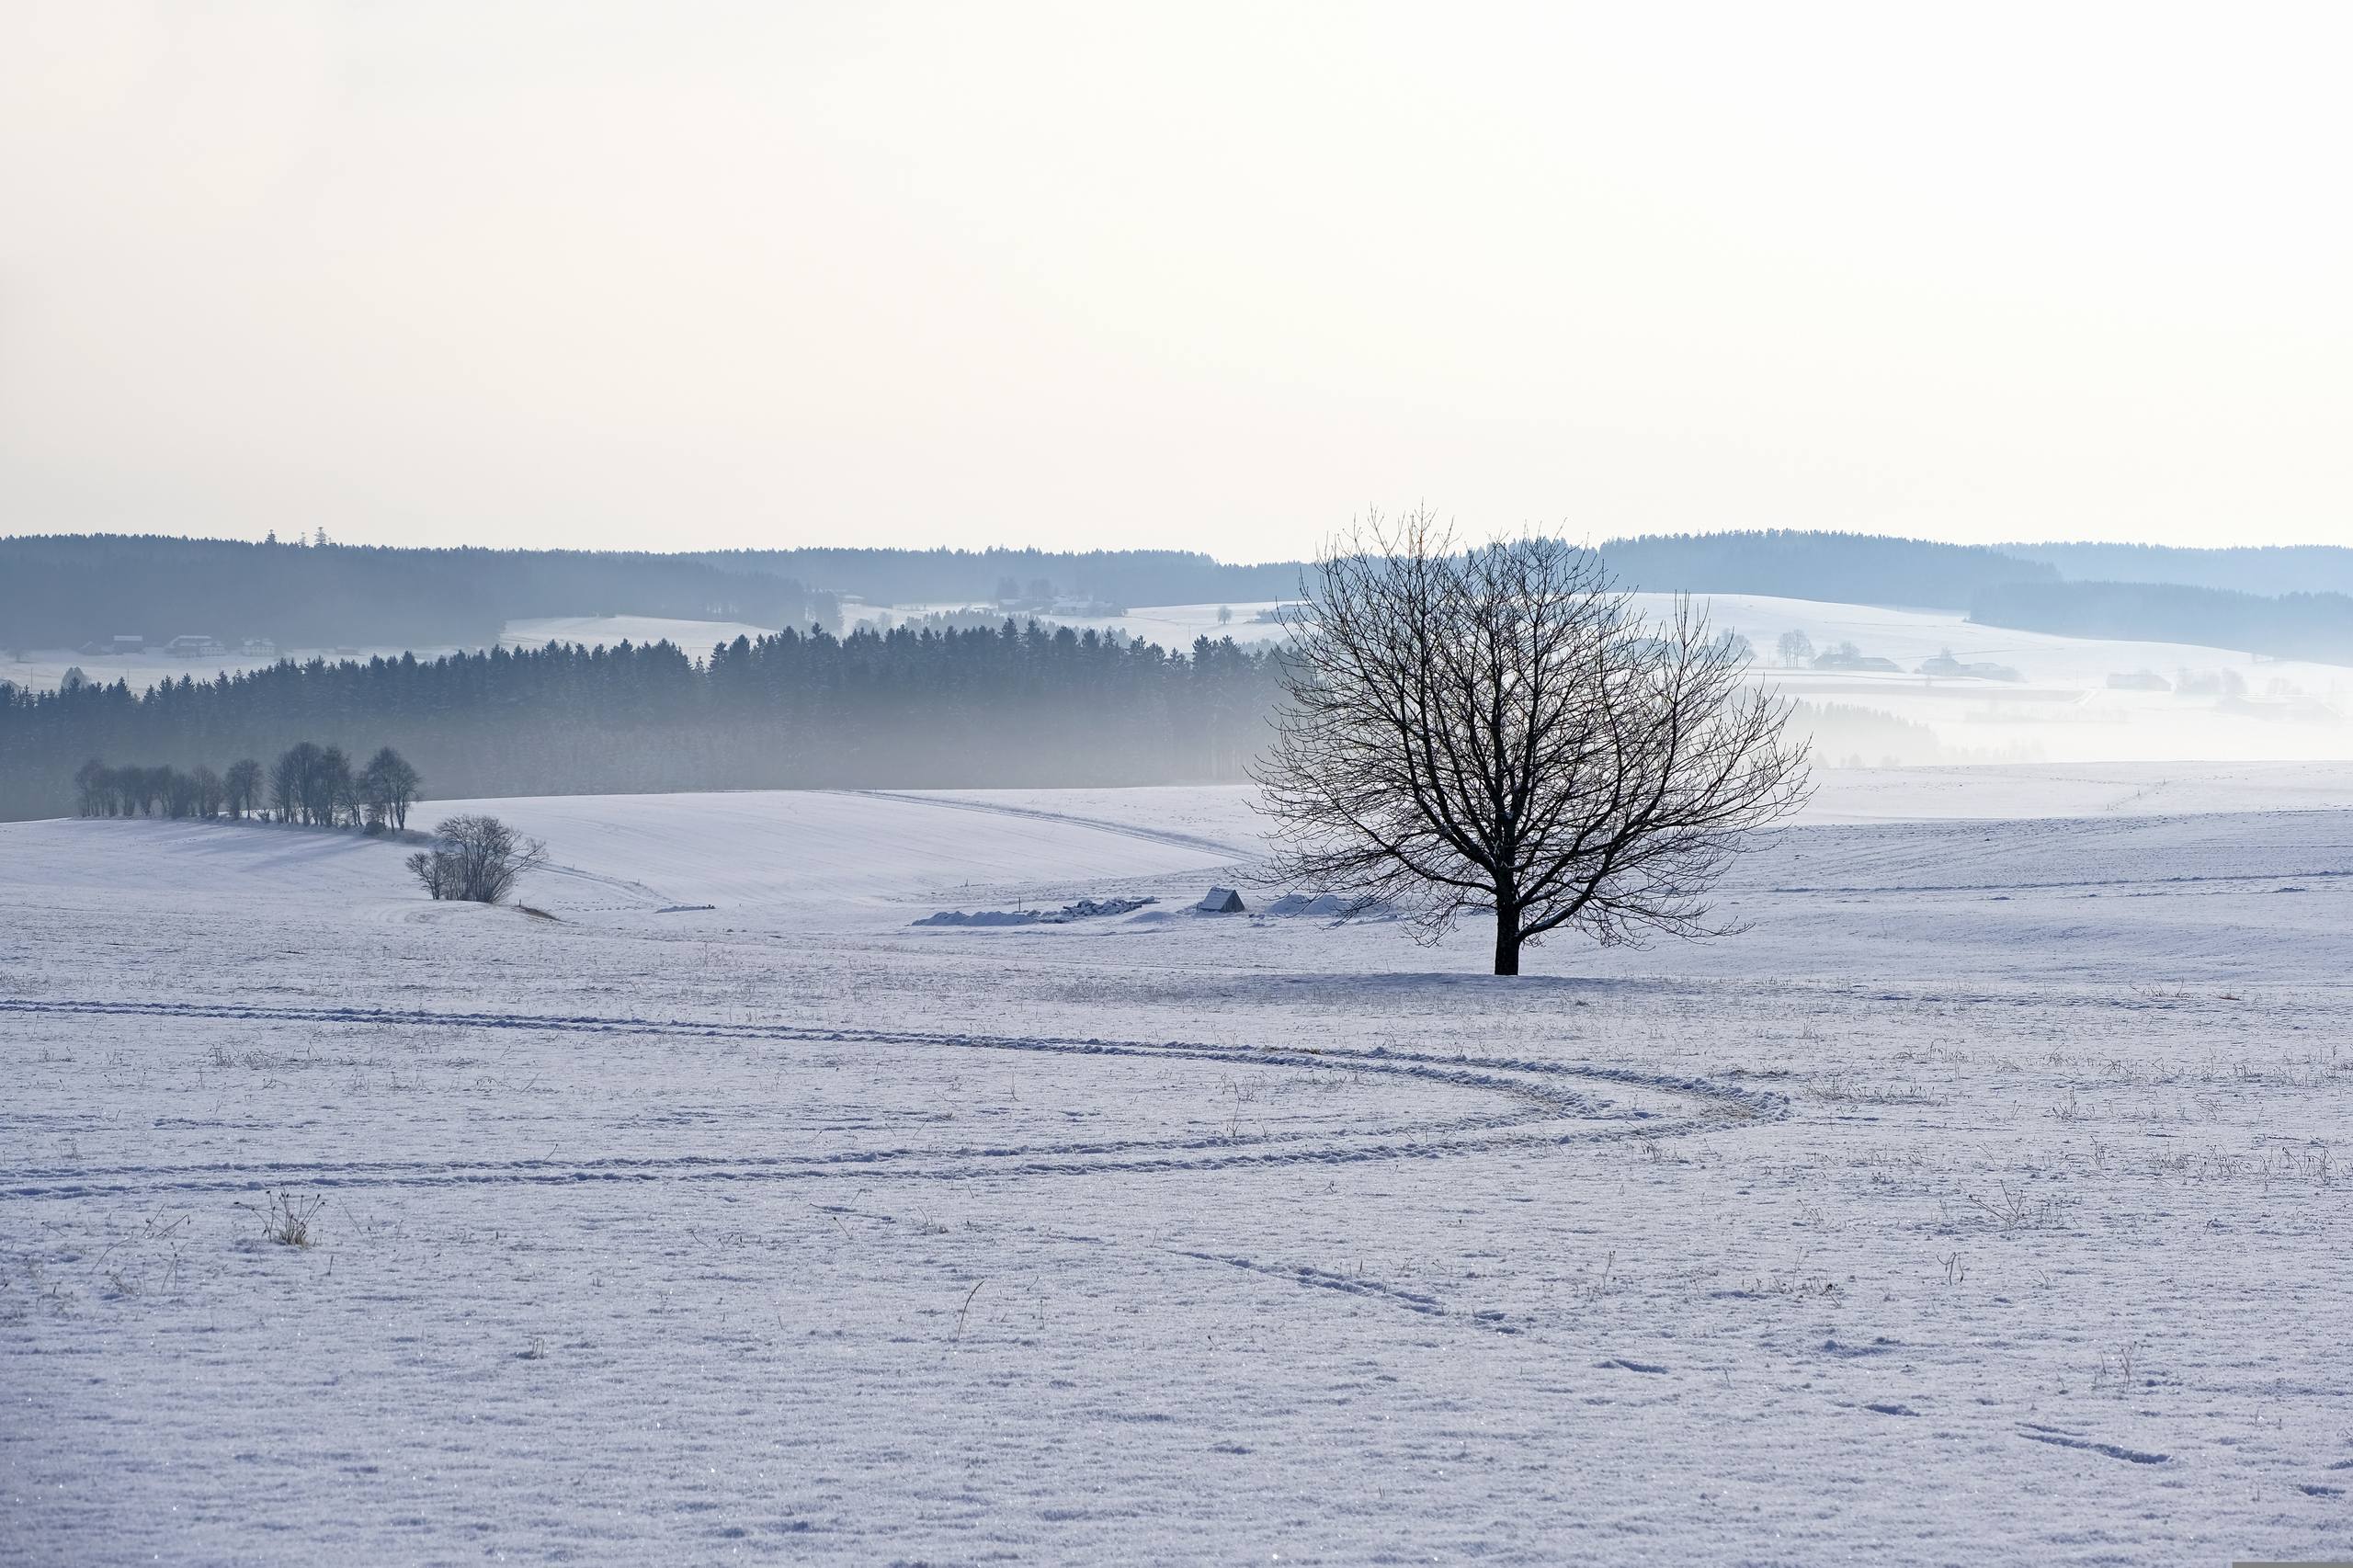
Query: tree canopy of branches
{"points": [[476, 859], [1496, 732], [388, 787], [311, 784]]}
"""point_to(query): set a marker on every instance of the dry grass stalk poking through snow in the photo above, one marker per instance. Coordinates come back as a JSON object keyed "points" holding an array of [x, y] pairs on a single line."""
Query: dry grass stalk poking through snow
{"points": [[286, 1217]]}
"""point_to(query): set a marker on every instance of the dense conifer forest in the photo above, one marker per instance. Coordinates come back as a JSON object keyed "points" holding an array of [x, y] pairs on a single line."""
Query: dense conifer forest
{"points": [[1866, 569], [1004, 705], [2290, 626], [1121, 577], [2246, 569]]}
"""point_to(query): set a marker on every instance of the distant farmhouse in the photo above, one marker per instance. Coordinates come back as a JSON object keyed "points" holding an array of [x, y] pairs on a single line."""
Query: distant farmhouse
{"points": [[194, 645], [122, 642], [1846, 656], [1944, 663]]}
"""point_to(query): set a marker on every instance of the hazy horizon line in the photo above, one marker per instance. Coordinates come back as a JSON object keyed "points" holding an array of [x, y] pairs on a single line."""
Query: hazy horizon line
{"points": [[1586, 540]]}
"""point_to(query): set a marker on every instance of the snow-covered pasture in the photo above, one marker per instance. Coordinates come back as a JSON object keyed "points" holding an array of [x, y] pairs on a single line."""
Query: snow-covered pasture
{"points": [[1982, 1202]]}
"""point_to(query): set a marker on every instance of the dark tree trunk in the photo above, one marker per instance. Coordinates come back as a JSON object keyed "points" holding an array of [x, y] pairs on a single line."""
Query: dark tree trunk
{"points": [[1507, 941]]}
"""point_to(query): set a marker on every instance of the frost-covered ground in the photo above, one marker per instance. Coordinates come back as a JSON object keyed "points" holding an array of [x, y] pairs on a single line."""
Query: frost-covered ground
{"points": [[1985, 1202]]}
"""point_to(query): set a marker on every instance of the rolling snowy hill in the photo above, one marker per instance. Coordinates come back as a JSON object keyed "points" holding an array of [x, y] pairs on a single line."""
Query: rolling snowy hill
{"points": [[1985, 1192]]}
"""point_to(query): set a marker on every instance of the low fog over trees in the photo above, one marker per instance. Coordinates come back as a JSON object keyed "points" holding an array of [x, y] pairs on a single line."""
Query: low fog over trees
{"points": [[993, 706], [1497, 732]]}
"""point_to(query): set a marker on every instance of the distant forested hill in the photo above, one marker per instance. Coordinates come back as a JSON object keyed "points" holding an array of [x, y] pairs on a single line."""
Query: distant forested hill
{"points": [[1124, 577], [2290, 626], [1869, 569], [2248, 569], [65, 590]]}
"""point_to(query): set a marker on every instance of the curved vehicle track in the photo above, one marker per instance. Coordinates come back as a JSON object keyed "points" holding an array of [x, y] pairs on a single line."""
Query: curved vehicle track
{"points": [[1537, 1104]]}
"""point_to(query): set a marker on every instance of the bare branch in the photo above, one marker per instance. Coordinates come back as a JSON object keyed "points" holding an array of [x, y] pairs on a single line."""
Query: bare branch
{"points": [[1496, 731]]}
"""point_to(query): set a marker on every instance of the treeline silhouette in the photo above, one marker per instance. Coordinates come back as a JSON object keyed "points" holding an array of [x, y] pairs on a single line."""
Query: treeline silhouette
{"points": [[1005, 706], [309, 783], [1846, 568], [2318, 626], [64, 590], [1124, 577], [2246, 569]]}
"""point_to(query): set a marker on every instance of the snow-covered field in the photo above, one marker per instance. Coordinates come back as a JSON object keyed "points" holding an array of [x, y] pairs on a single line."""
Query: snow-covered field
{"points": [[1981, 1203]]}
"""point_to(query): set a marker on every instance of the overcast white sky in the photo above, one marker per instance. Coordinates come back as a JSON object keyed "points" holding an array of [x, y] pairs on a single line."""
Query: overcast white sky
{"points": [[673, 275]]}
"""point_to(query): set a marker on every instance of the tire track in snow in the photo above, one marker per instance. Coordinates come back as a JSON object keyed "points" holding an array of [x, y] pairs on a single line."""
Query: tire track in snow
{"points": [[1546, 1103], [1353, 1285], [1125, 830]]}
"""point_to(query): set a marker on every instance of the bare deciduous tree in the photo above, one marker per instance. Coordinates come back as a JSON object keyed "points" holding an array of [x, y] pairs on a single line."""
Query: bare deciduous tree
{"points": [[241, 787], [1496, 731], [290, 779], [478, 859], [211, 791], [388, 787]]}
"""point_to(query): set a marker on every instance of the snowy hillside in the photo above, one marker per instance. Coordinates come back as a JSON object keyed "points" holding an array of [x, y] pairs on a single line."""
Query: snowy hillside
{"points": [[2062, 708], [1997, 1156]]}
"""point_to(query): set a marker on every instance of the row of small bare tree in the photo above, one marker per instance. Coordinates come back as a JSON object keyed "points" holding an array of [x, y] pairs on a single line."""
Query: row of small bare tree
{"points": [[131, 791], [308, 783], [316, 785], [475, 858]]}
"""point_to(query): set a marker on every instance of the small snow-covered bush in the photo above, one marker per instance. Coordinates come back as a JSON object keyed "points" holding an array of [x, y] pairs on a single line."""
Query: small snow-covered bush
{"points": [[476, 859]]}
